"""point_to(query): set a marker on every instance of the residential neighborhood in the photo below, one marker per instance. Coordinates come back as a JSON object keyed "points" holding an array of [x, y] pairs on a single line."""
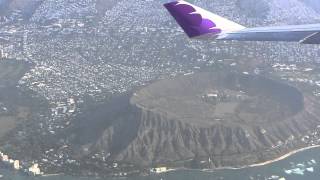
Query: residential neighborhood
{"points": [[81, 57]]}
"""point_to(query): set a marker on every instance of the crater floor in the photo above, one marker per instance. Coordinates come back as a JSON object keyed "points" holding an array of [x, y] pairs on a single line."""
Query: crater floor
{"points": [[210, 98]]}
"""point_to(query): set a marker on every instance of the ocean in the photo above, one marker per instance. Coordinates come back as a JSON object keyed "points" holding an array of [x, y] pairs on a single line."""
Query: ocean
{"points": [[304, 165]]}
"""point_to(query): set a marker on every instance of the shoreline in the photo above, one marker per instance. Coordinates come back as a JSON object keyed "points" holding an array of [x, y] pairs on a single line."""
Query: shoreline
{"points": [[285, 156], [49, 175]]}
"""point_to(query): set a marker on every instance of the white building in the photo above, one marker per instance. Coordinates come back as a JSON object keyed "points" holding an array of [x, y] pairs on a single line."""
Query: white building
{"points": [[159, 170], [16, 165], [5, 158], [3, 54], [35, 170]]}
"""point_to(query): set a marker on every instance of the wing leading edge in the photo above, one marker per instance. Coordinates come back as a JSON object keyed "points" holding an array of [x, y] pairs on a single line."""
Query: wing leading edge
{"points": [[306, 34], [197, 22]]}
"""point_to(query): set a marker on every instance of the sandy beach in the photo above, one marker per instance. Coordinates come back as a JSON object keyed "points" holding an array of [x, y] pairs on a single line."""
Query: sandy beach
{"points": [[284, 156]]}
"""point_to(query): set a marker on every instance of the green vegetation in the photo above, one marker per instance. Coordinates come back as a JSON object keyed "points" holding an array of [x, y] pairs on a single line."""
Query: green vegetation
{"points": [[13, 106]]}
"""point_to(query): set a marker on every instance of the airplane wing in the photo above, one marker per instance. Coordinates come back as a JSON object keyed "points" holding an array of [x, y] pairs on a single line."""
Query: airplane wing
{"points": [[199, 23], [306, 34]]}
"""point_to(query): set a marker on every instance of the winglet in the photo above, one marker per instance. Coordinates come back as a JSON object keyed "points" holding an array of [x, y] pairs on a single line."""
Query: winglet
{"points": [[197, 22]]}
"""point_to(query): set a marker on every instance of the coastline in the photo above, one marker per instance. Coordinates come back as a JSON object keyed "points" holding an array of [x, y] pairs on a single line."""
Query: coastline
{"points": [[49, 175], [284, 156], [252, 165]]}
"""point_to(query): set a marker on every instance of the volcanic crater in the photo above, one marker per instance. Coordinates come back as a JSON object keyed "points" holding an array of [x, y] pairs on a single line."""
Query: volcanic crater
{"points": [[233, 119]]}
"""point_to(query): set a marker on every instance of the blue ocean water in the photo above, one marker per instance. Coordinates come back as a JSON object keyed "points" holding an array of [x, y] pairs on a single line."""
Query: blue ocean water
{"points": [[301, 166]]}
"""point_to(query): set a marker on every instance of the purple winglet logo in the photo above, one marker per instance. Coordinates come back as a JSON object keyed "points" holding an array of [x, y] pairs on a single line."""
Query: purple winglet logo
{"points": [[190, 21]]}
